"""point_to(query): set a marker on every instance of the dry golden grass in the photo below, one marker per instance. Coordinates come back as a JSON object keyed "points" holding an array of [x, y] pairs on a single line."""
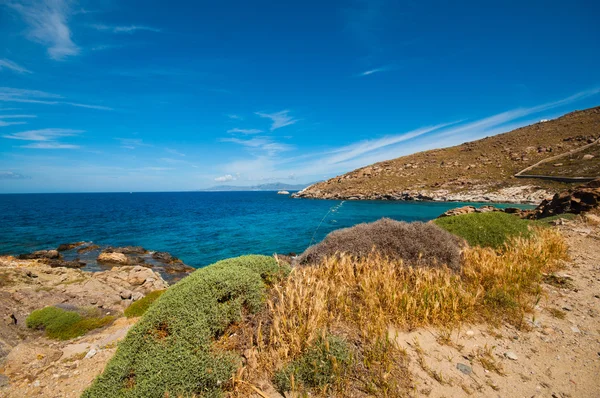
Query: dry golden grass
{"points": [[364, 300]]}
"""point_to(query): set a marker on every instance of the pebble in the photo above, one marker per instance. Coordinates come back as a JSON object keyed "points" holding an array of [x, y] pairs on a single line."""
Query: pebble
{"points": [[466, 369], [575, 329], [470, 333], [90, 353], [511, 355]]}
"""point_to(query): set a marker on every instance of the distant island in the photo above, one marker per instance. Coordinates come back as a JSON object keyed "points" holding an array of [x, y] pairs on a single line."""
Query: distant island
{"points": [[274, 186]]}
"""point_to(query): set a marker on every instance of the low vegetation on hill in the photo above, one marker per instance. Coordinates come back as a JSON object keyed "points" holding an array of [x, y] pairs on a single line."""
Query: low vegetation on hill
{"points": [[67, 323], [488, 164], [415, 243], [327, 328], [492, 229]]}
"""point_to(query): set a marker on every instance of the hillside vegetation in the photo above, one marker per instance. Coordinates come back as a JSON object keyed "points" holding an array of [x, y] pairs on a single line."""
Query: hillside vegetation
{"points": [[486, 165]]}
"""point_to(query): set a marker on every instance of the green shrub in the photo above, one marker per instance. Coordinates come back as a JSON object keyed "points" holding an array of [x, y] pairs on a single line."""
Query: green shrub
{"points": [[485, 229], [62, 324], [415, 243], [323, 363], [139, 308], [170, 351]]}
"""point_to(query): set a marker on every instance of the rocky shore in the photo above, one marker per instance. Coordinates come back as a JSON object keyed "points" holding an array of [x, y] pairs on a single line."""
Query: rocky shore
{"points": [[526, 194], [78, 276]]}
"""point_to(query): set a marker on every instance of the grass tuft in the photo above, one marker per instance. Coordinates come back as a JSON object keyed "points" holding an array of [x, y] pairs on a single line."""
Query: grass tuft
{"points": [[62, 324], [492, 229], [139, 308]]}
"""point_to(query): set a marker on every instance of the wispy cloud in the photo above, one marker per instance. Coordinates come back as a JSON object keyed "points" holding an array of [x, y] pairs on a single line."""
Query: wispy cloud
{"points": [[8, 94], [263, 144], [49, 145], [376, 70], [174, 152], [11, 175], [4, 124], [47, 24], [8, 64], [226, 178], [17, 116], [124, 29], [278, 119], [235, 117], [244, 131], [49, 134], [132, 143]]}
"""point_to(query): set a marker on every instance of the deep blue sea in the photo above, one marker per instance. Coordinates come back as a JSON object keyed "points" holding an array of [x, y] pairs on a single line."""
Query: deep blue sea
{"points": [[198, 227]]}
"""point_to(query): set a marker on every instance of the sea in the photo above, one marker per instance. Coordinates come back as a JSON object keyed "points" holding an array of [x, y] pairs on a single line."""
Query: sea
{"points": [[198, 227]]}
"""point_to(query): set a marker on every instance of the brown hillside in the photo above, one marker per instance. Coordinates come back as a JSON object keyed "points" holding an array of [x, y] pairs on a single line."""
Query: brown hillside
{"points": [[479, 170]]}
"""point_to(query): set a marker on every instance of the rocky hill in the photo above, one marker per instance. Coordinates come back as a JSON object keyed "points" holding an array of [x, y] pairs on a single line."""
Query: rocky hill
{"points": [[481, 170]]}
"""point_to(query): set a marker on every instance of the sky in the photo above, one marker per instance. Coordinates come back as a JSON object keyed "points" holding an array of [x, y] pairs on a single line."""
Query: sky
{"points": [[119, 96]]}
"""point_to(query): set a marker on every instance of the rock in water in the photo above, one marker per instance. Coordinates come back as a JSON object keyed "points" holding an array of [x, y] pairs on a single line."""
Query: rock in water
{"points": [[69, 246], [113, 258]]}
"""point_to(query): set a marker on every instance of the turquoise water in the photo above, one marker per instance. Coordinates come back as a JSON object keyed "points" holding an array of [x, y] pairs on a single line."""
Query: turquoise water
{"points": [[198, 227]]}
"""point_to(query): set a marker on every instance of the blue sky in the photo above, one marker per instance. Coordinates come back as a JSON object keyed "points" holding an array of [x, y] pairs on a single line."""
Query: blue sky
{"points": [[155, 96]]}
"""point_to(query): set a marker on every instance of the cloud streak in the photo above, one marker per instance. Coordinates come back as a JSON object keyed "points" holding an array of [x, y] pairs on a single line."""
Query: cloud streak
{"points": [[244, 131], [49, 134], [47, 25], [226, 178], [376, 70], [8, 64], [263, 144], [278, 119], [124, 29], [8, 94]]}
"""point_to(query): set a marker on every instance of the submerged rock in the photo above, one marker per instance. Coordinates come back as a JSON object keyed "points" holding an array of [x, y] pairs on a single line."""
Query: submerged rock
{"points": [[126, 250], [69, 246], [113, 258]]}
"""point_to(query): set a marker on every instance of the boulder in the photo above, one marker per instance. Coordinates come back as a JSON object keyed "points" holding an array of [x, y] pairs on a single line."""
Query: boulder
{"points": [[127, 250], [113, 258], [486, 209], [40, 254], [458, 211], [69, 246], [164, 257], [86, 249], [588, 157], [578, 200], [177, 267]]}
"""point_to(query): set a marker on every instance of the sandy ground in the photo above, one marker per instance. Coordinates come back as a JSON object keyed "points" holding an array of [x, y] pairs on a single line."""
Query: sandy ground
{"points": [[554, 358]]}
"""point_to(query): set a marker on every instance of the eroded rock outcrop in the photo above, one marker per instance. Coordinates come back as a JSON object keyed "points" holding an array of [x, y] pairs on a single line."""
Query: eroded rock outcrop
{"points": [[578, 200]]}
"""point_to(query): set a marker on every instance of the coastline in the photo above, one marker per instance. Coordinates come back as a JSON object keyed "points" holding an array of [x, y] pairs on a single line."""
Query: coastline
{"points": [[525, 194]]}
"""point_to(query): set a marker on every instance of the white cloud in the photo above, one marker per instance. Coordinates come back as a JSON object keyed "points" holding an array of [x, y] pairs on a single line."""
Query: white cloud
{"points": [[17, 116], [235, 117], [49, 134], [124, 29], [279, 119], [245, 131], [225, 178], [47, 25], [8, 64], [132, 143], [9, 94], [50, 145], [264, 144], [174, 152], [4, 124], [11, 175], [376, 70]]}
